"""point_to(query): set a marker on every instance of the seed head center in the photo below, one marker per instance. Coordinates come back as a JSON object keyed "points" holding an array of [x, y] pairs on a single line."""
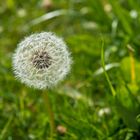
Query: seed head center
{"points": [[41, 60]]}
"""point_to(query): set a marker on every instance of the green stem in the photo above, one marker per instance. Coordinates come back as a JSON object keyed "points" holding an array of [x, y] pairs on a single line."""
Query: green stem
{"points": [[5, 129], [50, 113], [106, 75]]}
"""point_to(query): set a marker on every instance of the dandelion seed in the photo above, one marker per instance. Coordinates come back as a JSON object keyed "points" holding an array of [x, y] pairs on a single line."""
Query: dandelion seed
{"points": [[41, 60]]}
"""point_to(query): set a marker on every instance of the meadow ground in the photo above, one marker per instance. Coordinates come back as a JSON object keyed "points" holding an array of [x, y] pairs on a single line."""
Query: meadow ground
{"points": [[84, 104]]}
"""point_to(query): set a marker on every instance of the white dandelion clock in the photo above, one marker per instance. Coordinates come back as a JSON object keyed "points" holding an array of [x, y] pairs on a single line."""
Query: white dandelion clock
{"points": [[41, 60]]}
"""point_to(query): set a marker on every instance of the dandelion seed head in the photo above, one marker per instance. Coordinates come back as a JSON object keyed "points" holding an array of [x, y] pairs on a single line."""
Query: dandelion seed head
{"points": [[41, 60]]}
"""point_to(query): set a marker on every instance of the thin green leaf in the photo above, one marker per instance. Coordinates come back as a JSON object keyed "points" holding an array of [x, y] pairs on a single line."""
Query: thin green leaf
{"points": [[106, 75]]}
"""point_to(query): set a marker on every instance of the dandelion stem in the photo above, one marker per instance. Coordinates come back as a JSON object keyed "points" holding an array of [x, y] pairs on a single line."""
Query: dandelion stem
{"points": [[50, 113]]}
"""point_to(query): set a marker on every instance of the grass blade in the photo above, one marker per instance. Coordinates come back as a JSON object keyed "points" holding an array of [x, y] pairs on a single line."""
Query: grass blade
{"points": [[106, 75]]}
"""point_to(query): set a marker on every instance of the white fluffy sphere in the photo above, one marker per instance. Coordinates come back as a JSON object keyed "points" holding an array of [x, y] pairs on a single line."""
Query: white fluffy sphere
{"points": [[41, 60]]}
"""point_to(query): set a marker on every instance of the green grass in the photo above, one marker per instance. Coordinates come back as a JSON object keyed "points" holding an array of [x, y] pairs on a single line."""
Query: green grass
{"points": [[79, 101]]}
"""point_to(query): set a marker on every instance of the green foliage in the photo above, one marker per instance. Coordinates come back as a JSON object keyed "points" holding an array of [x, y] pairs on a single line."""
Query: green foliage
{"points": [[82, 103], [126, 69]]}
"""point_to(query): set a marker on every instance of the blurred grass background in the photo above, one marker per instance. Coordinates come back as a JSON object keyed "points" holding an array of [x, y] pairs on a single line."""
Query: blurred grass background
{"points": [[82, 103]]}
